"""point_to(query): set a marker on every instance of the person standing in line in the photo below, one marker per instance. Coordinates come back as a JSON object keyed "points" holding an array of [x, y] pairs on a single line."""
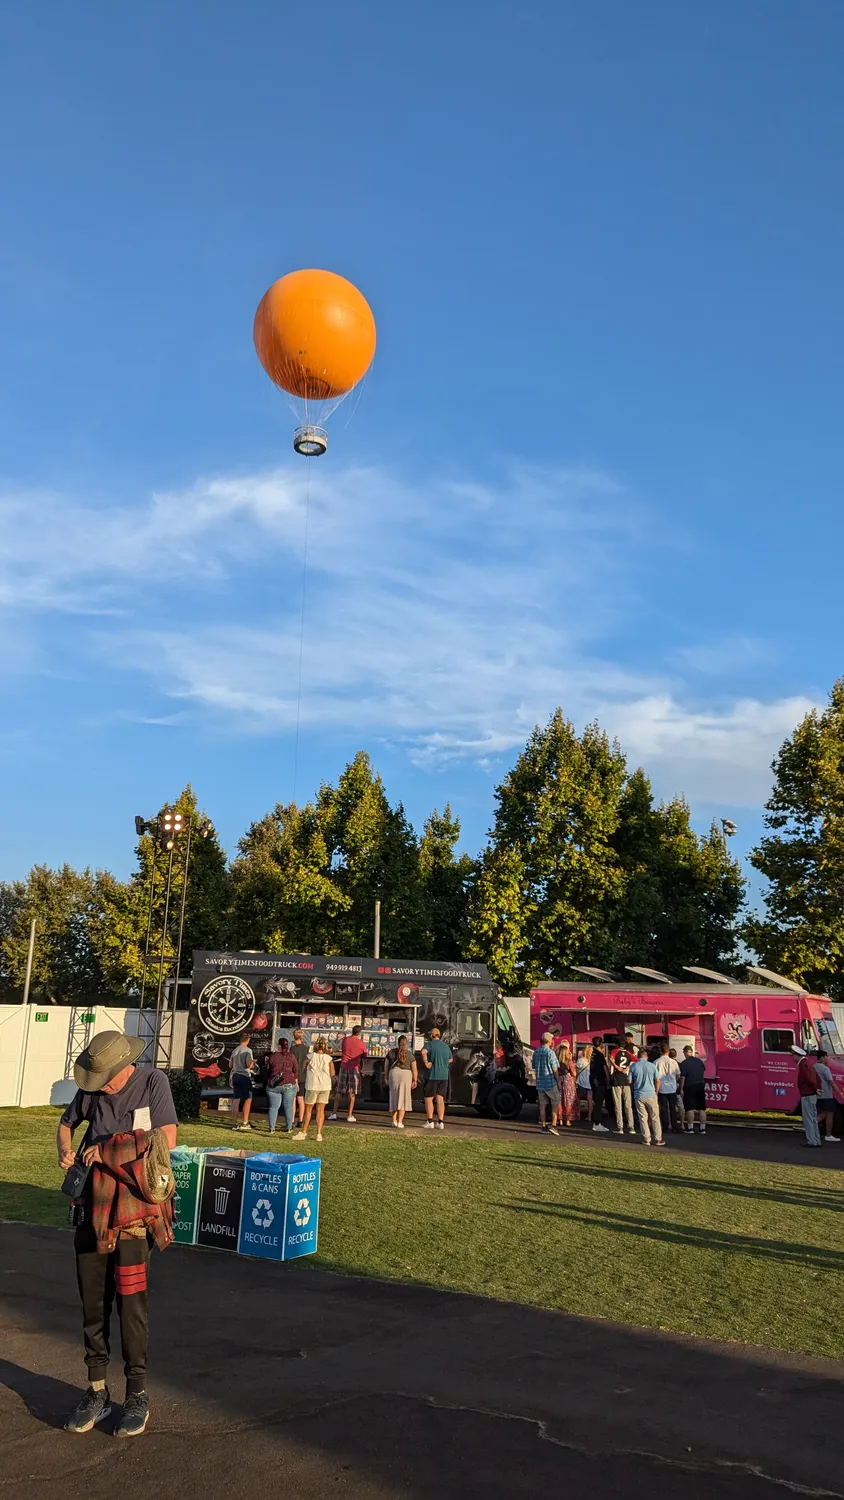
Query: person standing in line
{"points": [[436, 1060], [402, 1077], [300, 1052], [681, 1103], [668, 1073], [826, 1102], [646, 1085], [622, 1096], [351, 1055], [584, 1084], [282, 1084], [809, 1087], [693, 1073], [241, 1068], [317, 1088], [547, 1072], [599, 1078], [569, 1110], [115, 1098]]}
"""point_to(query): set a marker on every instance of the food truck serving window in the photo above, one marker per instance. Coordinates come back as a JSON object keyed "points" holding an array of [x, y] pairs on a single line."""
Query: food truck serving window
{"points": [[779, 1039], [476, 1024]]}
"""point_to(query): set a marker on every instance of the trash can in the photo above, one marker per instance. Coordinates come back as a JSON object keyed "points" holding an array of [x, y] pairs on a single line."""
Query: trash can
{"points": [[280, 1213]]}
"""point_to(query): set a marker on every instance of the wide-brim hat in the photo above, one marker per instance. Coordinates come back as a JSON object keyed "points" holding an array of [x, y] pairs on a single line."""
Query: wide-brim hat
{"points": [[105, 1056]]}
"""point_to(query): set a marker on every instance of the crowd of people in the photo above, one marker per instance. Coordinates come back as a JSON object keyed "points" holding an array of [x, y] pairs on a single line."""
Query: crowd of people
{"points": [[300, 1080], [643, 1092]]}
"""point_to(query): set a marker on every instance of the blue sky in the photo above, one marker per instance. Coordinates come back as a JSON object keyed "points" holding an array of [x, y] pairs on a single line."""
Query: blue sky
{"points": [[598, 460]]}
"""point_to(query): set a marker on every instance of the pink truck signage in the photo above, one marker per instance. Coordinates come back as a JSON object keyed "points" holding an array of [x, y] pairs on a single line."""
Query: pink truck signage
{"points": [[744, 1034]]}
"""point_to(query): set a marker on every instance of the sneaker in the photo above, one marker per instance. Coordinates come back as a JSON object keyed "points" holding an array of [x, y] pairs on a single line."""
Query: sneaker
{"points": [[703, 1130], [429, 1125], [601, 1129], [319, 1137], [395, 1124], [659, 1143], [94, 1407], [135, 1413], [835, 1138], [690, 1130], [351, 1120], [244, 1127], [332, 1117], [552, 1130], [300, 1136], [440, 1125], [400, 1125]]}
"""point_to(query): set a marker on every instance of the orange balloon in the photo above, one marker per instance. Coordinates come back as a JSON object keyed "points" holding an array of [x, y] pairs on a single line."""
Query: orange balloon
{"points": [[314, 334]]}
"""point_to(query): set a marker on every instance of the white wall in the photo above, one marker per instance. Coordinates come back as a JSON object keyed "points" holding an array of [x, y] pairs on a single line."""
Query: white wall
{"points": [[37, 1055]]}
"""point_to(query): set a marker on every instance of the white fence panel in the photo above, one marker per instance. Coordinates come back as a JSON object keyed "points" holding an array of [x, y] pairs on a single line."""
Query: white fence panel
{"points": [[12, 1032], [38, 1046]]}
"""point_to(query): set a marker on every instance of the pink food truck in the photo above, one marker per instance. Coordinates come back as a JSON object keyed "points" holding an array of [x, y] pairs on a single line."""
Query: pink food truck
{"points": [[745, 1033]]}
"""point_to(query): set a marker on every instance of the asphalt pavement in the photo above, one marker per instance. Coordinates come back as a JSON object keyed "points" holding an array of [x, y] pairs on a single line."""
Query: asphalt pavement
{"points": [[754, 1138], [287, 1380]]}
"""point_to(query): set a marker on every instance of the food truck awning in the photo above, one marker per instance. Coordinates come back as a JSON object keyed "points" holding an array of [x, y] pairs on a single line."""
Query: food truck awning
{"points": [[613, 1007]]}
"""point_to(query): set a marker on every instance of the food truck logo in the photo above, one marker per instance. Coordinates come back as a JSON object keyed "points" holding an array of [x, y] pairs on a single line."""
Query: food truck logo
{"points": [[262, 1213], [226, 1005], [302, 1213], [736, 1029], [221, 1198]]}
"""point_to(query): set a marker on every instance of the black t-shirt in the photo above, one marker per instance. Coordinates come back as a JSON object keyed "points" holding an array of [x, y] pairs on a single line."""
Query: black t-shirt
{"points": [[693, 1070], [620, 1077], [598, 1069], [143, 1103]]}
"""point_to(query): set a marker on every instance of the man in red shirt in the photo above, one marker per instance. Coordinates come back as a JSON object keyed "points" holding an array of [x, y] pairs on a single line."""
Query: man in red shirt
{"points": [[351, 1053], [808, 1087]]}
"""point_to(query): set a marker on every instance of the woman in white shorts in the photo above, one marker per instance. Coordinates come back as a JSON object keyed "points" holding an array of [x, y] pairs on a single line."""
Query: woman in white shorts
{"points": [[318, 1078]]}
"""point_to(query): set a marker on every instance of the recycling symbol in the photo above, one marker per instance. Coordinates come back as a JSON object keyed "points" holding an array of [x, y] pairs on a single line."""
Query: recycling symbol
{"points": [[262, 1214], [302, 1213]]}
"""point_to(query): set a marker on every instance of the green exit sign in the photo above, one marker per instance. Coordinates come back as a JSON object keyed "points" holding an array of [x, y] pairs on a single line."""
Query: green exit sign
{"points": [[42, 1015], [89, 1018]]}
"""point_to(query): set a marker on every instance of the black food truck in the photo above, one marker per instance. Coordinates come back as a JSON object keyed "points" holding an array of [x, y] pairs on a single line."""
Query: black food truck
{"points": [[269, 995]]}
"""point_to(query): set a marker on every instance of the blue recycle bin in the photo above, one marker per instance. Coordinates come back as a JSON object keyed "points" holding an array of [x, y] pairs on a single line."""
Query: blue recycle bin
{"points": [[279, 1218]]}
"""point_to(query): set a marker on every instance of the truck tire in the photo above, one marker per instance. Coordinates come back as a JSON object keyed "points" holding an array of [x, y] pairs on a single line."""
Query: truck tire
{"points": [[504, 1101]]}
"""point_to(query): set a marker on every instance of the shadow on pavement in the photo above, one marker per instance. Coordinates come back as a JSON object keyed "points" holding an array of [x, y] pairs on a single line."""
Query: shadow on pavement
{"points": [[320, 1384]]}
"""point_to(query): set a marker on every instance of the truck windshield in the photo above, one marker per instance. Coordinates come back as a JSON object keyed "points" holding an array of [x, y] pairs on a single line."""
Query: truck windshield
{"points": [[829, 1036]]}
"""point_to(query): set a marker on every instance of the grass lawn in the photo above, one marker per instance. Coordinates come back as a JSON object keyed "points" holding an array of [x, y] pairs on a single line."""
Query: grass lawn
{"points": [[726, 1249]]}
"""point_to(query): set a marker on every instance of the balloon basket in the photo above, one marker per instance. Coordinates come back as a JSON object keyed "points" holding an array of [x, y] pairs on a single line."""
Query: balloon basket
{"points": [[310, 441]]}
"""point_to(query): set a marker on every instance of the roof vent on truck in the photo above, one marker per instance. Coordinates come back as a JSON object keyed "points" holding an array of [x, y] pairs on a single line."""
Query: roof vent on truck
{"points": [[654, 974], [709, 974], [600, 974], [778, 979]]}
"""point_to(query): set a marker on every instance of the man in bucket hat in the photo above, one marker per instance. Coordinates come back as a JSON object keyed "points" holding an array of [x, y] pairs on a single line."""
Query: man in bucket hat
{"points": [[114, 1098]]}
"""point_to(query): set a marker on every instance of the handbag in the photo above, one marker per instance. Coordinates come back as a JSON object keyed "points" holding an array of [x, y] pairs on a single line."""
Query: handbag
{"points": [[76, 1180]]}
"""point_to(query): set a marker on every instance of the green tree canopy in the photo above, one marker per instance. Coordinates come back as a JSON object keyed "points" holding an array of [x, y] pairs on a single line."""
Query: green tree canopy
{"points": [[801, 932], [66, 964]]}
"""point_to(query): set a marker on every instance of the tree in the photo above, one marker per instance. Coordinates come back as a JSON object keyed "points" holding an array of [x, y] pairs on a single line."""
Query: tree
{"points": [[66, 965], [801, 932], [444, 887], [681, 893], [284, 898], [374, 855], [551, 873]]}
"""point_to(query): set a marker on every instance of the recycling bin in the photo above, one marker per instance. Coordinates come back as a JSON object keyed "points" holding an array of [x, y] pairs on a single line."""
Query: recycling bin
{"points": [[265, 1205], [280, 1206]]}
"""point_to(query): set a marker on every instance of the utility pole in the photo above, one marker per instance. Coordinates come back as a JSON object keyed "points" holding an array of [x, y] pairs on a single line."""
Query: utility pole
{"points": [[29, 957], [377, 953]]}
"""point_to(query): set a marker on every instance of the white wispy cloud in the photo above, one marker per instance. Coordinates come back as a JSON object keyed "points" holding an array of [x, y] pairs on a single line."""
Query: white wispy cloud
{"points": [[446, 615]]}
